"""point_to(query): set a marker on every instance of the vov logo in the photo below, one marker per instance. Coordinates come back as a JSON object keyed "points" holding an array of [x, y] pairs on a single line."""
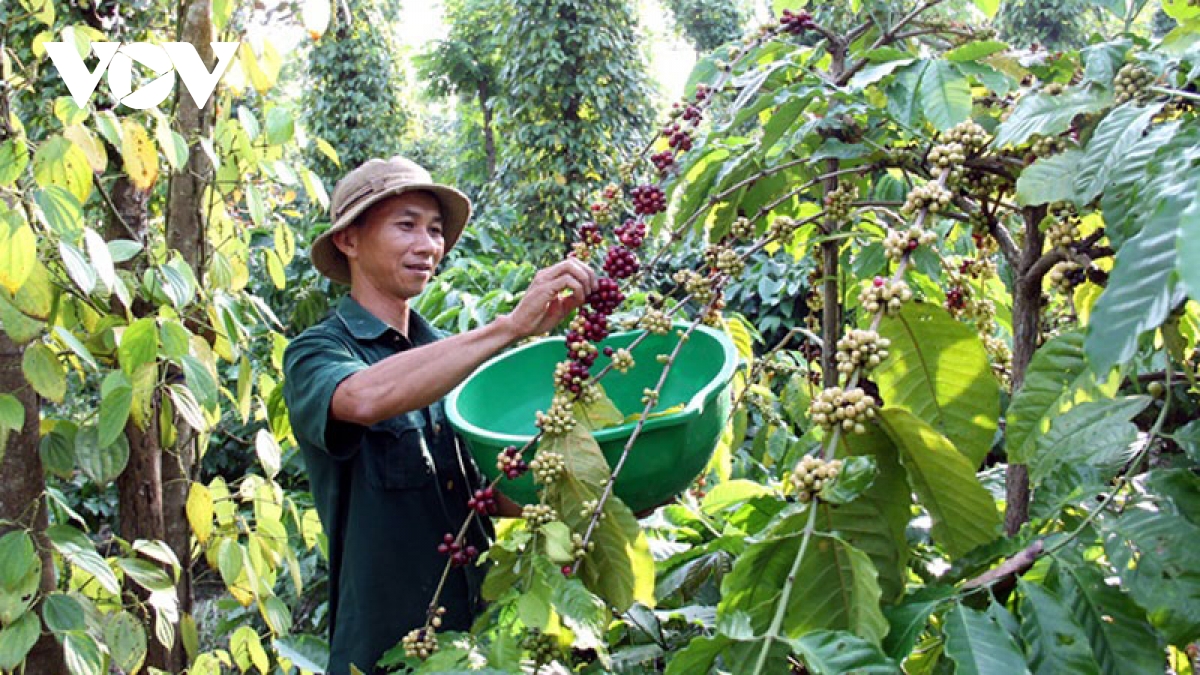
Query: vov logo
{"points": [[118, 59]]}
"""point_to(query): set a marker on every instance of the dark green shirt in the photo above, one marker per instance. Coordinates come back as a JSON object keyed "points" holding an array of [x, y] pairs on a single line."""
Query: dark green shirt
{"points": [[386, 493]]}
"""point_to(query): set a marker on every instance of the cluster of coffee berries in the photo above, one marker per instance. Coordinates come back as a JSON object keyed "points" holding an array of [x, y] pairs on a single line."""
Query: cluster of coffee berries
{"points": [[1066, 275], [756, 401], [580, 549], [861, 348], [606, 297], [484, 501], [1001, 357], [742, 229], [725, 259], [811, 474], [601, 211], [584, 327], [589, 234], [796, 23], [948, 155], [779, 365], [782, 229], [848, 409], [983, 312], [581, 351], [695, 284], [712, 313], [559, 419], [589, 506], [677, 138], [571, 376], [421, 643], [537, 515], [1063, 232], [898, 244], [663, 161], [977, 268], [459, 555], [930, 196], [884, 295], [648, 199], [839, 202], [542, 647], [649, 397], [1044, 146], [956, 299], [656, 321], [982, 182], [547, 467], [620, 263], [631, 233], [985, 244], [510, 463], [970, 135], [1132, 82], [622, 359]]}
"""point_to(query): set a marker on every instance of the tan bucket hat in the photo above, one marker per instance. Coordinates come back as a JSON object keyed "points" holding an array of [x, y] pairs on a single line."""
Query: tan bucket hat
{"points": [[375, 180]]}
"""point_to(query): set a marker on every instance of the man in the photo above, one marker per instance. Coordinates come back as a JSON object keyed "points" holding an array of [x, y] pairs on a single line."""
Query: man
{"points": [[364, 390]]}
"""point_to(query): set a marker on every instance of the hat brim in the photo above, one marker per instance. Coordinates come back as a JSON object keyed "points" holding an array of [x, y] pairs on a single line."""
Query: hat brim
{"points": [[456, 211]]}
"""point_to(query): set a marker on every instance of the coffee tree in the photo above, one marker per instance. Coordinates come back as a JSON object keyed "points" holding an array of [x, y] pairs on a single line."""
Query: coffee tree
{"points": [[987, 419]]}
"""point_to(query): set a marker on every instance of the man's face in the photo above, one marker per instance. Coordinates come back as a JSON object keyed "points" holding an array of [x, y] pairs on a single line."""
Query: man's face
{"points": [[396, 244]]}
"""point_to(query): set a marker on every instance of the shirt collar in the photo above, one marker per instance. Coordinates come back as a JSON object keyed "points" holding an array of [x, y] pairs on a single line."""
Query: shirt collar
{"points": [[365, 326]]}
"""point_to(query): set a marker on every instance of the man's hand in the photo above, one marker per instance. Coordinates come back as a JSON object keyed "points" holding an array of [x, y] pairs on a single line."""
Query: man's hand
{"points": [[544, 304]]}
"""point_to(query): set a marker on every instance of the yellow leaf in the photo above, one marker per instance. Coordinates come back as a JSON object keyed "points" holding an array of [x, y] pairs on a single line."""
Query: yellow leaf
{"points": [[92, 148], [262, 69], [600, 414], [60, 162], [18, 252], [139, 153], [200, 511], [661, 413], [275, 268], [44, 372], [285, 242], [327, 150], [145, 378]]}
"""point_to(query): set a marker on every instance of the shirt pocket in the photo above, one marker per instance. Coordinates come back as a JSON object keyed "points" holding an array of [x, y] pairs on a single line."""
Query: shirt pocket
{"points": [[395, 454]]}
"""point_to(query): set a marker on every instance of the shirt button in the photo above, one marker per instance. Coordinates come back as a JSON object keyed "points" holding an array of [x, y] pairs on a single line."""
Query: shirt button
{"points": [[449, 485], [437, 428]]}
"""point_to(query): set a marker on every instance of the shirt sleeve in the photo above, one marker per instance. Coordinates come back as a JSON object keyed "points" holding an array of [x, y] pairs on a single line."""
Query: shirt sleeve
{"points": [[313, 366]]}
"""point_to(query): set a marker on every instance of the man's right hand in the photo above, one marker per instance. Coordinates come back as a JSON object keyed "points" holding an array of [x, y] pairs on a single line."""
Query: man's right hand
{"points": [[544, 306]]}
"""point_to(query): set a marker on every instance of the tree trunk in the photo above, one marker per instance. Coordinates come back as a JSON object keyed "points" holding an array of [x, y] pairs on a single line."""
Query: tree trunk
{"points": [[831, 315], [186, 234], [1027, 330], [22, 502]]}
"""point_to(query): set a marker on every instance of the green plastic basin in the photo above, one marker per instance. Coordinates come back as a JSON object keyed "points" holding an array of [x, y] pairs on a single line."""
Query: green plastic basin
{"points": [[495, 408]]}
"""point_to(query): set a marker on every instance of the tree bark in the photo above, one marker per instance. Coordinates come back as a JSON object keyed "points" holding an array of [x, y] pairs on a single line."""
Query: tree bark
{"points": [[831, 313], [22, 496], [831, 316], [186, 234], [1027, 331]]}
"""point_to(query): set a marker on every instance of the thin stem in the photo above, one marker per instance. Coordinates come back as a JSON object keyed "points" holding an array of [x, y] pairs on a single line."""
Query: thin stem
{"points": [[781, 609], [651, 402]]}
